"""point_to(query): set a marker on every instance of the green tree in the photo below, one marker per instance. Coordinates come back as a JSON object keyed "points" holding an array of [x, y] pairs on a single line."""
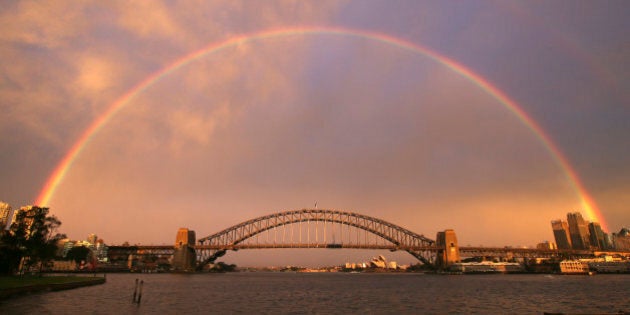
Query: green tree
{"points": [[31, 240], [78, 253]]}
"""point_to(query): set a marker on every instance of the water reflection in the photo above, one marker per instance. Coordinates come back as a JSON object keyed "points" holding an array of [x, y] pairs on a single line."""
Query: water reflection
{"points": [[333, 293]]}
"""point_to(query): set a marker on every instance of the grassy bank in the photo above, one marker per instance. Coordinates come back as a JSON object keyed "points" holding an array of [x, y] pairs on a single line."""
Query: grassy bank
{"points": [[13, 286]]}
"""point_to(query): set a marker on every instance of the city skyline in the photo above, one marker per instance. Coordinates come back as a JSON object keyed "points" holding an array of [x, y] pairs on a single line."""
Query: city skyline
{"points": [[416, 113], [565, 233]]}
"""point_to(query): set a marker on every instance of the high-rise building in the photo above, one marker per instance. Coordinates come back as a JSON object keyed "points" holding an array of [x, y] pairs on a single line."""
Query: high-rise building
{"points": [[5, 213], [578, 229], [609, 237], [101, 251], [597, 236], [561, 234], [546, 245], [92, 238], [621, 240], [67, 246]]}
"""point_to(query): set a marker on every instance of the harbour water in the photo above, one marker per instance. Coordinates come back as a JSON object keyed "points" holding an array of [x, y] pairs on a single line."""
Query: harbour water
{"points": [[335, 293]]}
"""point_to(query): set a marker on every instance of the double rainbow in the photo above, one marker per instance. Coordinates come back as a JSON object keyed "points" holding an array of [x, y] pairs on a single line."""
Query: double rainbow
{"points": [[57, 176]]}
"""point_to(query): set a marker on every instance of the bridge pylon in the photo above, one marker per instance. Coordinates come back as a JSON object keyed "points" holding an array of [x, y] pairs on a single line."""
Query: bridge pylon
{"points": [[448, 252], [184, 257]]}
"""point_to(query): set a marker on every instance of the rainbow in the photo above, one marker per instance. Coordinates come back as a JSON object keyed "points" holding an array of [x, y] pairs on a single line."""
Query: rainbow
{"points": [[57, 176]]}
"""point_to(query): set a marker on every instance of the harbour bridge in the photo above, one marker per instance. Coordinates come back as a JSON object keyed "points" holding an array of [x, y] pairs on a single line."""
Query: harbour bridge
{"points": [[315, 228], [328, 229]]}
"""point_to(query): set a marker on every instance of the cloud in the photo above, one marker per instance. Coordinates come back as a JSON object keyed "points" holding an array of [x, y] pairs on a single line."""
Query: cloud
{"points": [[95, 75], [147, 19], [46, 24], [239, 132], [195, 129], [280, 123]]}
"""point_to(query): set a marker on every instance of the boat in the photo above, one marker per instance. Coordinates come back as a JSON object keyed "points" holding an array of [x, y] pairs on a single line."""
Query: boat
{"points": [[574, 267], [487, 267]]}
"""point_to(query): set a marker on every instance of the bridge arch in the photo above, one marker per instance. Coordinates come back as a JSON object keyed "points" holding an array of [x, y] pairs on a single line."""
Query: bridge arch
{"points": [[213, 246]]}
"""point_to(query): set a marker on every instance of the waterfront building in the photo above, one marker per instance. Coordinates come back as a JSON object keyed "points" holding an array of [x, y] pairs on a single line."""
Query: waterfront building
{"points": [[60, 247], [84, 244], [578, 229], [609, 240], [5, 213], [561, 234], [621, 240], [67, 246], [101, 250], [63, 265], [546, 245], [378, 262], [98, 249], [596, 236], [92, 238]]}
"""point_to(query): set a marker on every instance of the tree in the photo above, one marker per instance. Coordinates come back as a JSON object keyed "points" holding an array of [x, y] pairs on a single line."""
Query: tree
{"points": [[10, 254], [78, 253], [223, 267], [31, 240]]}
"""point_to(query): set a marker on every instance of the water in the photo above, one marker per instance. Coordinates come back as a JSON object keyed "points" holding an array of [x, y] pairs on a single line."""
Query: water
{"points": [[335, 293]]}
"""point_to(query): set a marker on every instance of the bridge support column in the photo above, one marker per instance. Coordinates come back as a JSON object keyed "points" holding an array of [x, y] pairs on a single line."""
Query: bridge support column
{"points": [[449, 250], [184, 257]]}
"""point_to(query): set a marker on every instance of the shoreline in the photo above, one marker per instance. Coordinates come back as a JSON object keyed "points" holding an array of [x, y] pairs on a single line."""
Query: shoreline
{"points": [[42, 287]]}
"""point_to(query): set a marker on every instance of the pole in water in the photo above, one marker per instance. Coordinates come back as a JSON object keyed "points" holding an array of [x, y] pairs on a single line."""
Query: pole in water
{"points": [[140, 293], [135, 292]]}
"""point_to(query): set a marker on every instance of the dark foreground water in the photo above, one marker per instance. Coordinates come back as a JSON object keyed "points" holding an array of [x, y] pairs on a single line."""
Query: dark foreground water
{"points": [[335, 293]]}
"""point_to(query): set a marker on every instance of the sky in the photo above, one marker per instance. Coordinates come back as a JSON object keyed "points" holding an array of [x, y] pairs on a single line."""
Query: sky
{"points": [[377, 109]]}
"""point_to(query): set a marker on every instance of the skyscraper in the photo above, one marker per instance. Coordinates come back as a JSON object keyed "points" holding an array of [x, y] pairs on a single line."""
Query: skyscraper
{"points": [[597, 236], [561, 234], [578, 229], [621, 240], [5, 212]]}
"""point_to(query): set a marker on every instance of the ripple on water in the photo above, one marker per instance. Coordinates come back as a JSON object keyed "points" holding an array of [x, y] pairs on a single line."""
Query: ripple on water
{"points": [[334, 293]]}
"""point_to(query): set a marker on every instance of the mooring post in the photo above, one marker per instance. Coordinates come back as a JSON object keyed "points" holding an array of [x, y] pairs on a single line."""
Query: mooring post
{"points": [[140, 294], [135, 292]]}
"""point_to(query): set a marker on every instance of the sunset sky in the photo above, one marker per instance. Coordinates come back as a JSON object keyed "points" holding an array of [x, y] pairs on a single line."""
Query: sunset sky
{"points": [[376, 107]]}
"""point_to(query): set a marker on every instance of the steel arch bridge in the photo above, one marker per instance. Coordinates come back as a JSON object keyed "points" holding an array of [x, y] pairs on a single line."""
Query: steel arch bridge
{"points": [[383, 235]]}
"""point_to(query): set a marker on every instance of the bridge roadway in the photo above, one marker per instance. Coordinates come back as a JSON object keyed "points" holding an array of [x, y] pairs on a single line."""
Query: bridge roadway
{"points": [[465, 251]]}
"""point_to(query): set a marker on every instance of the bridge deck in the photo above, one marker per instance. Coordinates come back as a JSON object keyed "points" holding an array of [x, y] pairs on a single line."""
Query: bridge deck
{"points": [[466, 250], [306, 245]]}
